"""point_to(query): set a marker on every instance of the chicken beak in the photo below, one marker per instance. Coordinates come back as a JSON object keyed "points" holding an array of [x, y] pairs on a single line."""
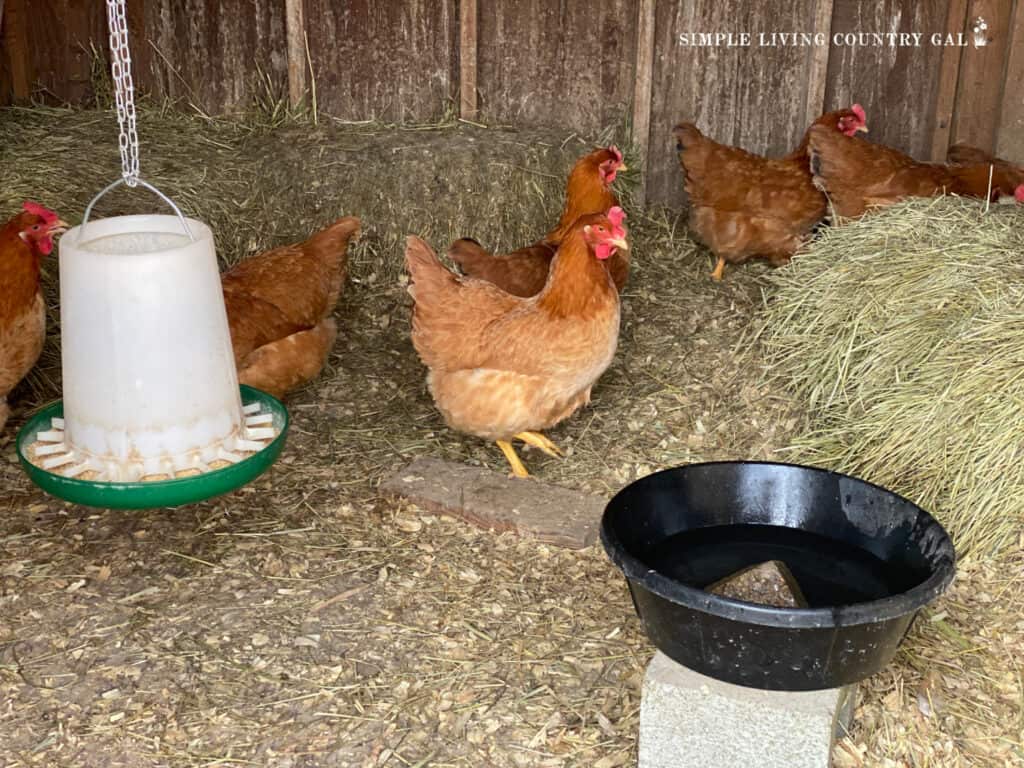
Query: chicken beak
{"points": [[620, 243], [623, 167], [59, 227], [862, 129]]}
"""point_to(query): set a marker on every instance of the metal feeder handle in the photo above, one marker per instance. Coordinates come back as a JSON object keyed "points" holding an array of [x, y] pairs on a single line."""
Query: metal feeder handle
{"points": [[147, 185], [124, 99]]}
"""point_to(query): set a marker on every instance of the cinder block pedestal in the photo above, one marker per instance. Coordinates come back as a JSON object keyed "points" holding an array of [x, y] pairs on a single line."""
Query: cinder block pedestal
{"points": [[688, 720]]}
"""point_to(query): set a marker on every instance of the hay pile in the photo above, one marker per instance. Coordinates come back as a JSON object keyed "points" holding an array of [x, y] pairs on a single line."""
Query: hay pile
{"points": [[258, 182], [904, 335]]}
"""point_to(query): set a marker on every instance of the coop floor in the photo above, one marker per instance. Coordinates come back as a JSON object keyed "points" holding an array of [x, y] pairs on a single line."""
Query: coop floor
{"points": [[305, 621]]}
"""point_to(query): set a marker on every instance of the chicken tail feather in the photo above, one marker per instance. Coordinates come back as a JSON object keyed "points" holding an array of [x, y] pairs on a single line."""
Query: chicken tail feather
{"points": [[469, 255], [686, 135], [335, 237], [426, 270]]}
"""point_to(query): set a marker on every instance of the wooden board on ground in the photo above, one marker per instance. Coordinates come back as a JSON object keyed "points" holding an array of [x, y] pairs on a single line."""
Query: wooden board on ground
{"points": [[553, 515]]}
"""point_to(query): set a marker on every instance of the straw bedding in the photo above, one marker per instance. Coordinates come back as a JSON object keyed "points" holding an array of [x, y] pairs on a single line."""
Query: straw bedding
{"points": [[306, 621]]}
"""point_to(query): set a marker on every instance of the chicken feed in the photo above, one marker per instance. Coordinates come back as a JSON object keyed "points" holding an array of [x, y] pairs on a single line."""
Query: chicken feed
{"points": [[903, 334]]}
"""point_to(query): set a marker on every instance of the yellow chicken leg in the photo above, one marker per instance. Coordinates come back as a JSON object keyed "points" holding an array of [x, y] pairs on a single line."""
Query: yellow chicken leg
{"points": [[513, 458], [539, 441], [719, 269]]}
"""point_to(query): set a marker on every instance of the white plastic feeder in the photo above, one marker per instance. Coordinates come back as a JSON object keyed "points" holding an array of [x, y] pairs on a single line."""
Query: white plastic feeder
{"points": [[150, 386], [152, 413]]}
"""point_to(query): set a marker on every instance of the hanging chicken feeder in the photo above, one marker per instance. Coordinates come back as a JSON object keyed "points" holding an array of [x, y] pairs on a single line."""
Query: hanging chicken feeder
{"points": [[153, 414]]}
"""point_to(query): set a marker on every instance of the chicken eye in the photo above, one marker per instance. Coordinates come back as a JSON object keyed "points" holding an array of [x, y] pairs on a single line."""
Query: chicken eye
{"points": [[35, 227]]}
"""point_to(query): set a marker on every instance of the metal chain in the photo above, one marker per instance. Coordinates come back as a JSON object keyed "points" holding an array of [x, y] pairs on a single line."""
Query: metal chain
{"points": [[124, 91]]}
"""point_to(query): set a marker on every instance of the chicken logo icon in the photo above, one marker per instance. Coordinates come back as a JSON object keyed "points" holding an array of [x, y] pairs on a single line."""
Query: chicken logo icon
{"points": [[979, 27]]}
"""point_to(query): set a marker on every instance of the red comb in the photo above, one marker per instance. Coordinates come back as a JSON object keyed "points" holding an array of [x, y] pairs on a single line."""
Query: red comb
{"points": [[1019, 194], [858, 110], [615, 153], [42, 212], [616, 216]]}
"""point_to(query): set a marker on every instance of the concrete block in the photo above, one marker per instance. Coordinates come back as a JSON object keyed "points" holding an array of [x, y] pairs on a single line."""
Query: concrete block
{"points": [[689, 720]]}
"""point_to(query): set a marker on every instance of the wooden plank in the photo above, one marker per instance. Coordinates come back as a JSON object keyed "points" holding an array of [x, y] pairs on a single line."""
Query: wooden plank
{"points": [[384, 60], [492, 501], [754, 97], [467, 59], [212, 52], [61, 36], [5, 74], [563, 63], [1010, 141], [642, 92], [138, 39], [295, 33], [896, 84], [949, 77], [982, 69], [817, 70], [17, 53]]}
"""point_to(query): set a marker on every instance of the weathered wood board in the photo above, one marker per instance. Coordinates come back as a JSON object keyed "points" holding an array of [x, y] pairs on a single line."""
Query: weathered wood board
{"points": [[1011, 122], [384, 60], [982, 71], [215, 54], [51, 48], [568, 64], [897, 84], [553, 515]]}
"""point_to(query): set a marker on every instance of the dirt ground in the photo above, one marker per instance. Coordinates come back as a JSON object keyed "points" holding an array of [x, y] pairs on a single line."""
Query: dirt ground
{"points": [[304, 621]]}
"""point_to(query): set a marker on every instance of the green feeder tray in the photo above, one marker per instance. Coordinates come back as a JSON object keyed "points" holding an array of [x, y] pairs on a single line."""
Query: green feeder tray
{"points": [[160, 493]]}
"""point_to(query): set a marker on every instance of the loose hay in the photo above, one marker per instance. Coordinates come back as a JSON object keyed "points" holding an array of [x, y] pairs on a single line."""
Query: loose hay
{"points": [[904, 334]]}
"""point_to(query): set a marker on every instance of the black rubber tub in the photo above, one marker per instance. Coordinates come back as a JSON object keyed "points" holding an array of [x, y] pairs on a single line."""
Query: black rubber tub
{"points": [[866, 560]]}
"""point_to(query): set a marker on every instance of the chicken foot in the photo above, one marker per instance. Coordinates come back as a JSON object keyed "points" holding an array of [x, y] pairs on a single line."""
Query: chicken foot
{"points": [[537, 440], [719, 270], [513, 458]]}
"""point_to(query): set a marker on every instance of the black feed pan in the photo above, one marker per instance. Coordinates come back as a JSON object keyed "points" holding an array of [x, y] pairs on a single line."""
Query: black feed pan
{"points": [[866, 561]]}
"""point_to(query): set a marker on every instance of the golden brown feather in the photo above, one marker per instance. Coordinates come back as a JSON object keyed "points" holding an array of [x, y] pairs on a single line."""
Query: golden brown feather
{"points": [[279, 305], [858, 175], [523, 272], [503, 366], [744, 206], [24, 241]]}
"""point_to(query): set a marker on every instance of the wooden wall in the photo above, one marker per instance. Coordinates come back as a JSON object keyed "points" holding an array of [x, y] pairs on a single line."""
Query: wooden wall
{"points": [[543, 61], [899, 85], [394, 61], [576, 64], [208, 52]]}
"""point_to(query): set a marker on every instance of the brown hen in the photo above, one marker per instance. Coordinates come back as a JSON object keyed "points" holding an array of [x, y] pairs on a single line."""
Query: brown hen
{"points": [[744, 206], [965, 154], [504, 366], [279, 306], [24, 241], [525, 271], [857, 175]]}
